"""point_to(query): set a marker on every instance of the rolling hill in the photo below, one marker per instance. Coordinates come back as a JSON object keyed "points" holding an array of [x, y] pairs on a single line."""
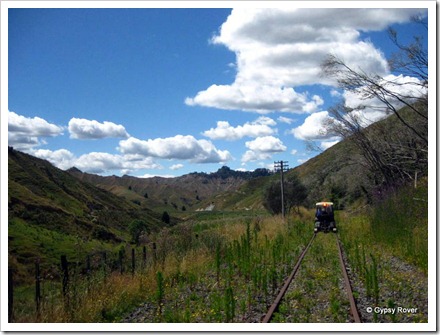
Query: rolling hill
{"points": [[189, 192], [341, 173], [336, 174], [51, 213]]}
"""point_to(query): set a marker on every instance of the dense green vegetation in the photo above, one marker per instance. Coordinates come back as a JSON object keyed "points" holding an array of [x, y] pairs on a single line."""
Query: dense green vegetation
{"points": [[399, 222], [389, 255], [294, 195]]}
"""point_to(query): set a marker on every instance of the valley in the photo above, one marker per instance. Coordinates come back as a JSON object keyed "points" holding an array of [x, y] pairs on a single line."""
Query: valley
{"points": [[136, 248]]}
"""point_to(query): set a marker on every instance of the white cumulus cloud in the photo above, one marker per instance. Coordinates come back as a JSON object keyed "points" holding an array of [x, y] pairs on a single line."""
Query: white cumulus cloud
{"points": [[266, 144], [279, 49], [177, 147], [224, 131], [252, 97], [364, 110], [25, 133], [99, 162], [262, 148], [370, 110], [62, 158], [313, 127], [92, 129], [176, 166], [96, 162]]}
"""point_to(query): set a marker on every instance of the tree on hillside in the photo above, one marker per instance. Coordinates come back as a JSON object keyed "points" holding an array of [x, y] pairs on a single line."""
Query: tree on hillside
{"points": [[136, 229], [295, 194], [165, 217], [391, 155]]}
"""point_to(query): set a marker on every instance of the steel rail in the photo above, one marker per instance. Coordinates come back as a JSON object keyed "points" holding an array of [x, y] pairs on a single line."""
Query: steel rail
{"points": [[353, 307], [283, 290]]}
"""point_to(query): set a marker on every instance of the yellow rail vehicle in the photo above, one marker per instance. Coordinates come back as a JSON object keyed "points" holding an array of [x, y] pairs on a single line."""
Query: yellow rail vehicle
{"points": [[324, 217]]}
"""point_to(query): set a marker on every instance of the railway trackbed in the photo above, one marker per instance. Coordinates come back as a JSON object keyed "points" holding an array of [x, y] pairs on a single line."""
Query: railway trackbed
{"points": [[318, 289]]}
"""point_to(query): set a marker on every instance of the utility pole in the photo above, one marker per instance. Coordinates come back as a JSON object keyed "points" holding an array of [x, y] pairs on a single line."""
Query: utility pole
{"points": [[282, 166]]}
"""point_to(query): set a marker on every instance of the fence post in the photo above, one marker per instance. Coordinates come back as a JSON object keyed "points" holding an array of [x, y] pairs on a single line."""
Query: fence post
{"points": [[88, 265], [133, 261], [104, 265], [88, 272], [10, 295], [37, 287], [121, 264], [65, 270], [104, 261], [154, 252], [144, 256]]}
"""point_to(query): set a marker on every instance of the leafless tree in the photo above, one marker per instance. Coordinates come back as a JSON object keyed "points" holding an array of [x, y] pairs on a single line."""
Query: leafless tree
{"points": [[411, 61], [393, 154]]}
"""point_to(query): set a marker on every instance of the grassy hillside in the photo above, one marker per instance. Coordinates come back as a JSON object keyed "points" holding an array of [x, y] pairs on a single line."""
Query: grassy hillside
{"points": [[189, 192], [336, 174], [53, 213], [43, 200], [247, 197], [341, 173]]}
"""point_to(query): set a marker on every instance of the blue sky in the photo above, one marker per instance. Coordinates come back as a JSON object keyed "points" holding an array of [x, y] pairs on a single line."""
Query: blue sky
{"points": [[171, 91]]}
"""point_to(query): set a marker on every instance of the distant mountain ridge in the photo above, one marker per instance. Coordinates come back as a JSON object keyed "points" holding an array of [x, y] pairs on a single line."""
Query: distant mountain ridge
{"points": [[190, 191]]}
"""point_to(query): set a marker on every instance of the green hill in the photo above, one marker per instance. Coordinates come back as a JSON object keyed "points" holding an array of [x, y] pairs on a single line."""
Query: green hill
{"points": [[189, 192], [53, 213], [336, 174], [341, 173]]}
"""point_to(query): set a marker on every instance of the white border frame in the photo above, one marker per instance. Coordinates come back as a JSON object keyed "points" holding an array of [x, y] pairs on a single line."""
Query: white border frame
{"points": [[209, 327]]}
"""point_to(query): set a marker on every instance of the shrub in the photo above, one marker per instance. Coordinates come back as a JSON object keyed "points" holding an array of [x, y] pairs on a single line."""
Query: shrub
{"points": [[136, 228], [166, 218], [295, 194]]}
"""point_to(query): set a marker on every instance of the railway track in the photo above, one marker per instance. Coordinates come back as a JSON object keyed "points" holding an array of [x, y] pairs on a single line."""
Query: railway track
{"points": [[353, 308]]}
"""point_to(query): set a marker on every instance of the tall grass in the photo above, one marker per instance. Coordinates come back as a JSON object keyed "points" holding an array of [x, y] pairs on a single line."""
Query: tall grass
{"points": [[377, 240], [400, 222], [209, 270]]}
